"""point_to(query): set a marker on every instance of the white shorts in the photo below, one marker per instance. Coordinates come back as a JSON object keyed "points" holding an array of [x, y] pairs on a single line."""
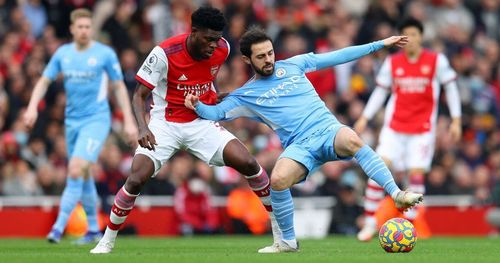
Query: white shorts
{"points": [[203, 138], [407, 151]]}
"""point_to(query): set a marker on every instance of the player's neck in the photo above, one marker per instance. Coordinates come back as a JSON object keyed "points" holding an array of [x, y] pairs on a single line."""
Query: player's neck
{"points": [[82, 47], [414, 54]]}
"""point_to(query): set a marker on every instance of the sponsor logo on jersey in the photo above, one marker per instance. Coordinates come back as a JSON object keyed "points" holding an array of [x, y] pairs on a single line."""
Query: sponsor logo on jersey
{"points": [[272, 95], [412, 84], [197, 89]]}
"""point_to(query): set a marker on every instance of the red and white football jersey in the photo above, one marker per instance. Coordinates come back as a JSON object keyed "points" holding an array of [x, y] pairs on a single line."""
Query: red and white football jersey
{"points": [[412, 107], [171, 73]]}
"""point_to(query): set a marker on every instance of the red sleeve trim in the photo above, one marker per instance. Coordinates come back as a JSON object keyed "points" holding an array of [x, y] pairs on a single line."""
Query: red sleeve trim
{"points": [[382, 86], [144, 82], [448, 81]]}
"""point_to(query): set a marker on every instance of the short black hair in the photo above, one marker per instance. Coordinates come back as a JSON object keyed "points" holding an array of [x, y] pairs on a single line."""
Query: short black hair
{"points": [[254, 35], [208, 17], [411, 22]]}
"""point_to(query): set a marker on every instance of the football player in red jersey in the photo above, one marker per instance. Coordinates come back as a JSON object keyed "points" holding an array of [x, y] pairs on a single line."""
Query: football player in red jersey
{"points": [[181, 65], [413, 77]]}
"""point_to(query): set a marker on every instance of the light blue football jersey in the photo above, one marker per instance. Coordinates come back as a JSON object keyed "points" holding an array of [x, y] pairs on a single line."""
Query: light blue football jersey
{"points": [[286, 101], [86, 74]]}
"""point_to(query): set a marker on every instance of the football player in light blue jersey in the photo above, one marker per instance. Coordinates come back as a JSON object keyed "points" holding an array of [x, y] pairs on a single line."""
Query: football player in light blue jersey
{"points": [[87, 67], [281, 96]]}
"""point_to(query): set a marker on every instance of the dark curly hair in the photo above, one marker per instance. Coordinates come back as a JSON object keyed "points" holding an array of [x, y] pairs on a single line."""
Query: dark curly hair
{"points": [[411, 22], [254, 35], [208, 17]]}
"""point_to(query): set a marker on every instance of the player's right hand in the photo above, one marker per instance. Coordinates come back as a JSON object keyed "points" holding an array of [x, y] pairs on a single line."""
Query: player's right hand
{"points": [[29, 117], [190, 101], [360, 125], [147, 139], [396, 41]]}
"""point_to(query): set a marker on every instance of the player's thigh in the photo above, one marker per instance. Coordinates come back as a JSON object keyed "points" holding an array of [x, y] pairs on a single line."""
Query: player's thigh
{"points": [[90, 139], [391, 147], [236, 156], [168, 143], [70, 135], [303, 156], [207, 140], [420, 151], [287, 172]]}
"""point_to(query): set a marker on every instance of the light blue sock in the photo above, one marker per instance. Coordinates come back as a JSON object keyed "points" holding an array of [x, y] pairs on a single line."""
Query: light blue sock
{"points": [[70, 197], [283, 211], [89, 203], [376, 169]]}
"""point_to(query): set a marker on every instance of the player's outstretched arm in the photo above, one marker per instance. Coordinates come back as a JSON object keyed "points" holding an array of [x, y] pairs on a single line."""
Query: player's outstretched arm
{"points": [[129, 126], [146, 138], [351, 53], [210, 112], [31, 113], [396, 41]]}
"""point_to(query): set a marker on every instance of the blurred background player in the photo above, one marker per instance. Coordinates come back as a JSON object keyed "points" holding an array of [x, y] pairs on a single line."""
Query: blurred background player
{"points": [[281, 96], [413, 77], [181, 65], [86, 66]]}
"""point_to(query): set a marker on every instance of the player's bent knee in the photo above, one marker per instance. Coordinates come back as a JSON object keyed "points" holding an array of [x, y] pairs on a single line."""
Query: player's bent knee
{"points": [[280, 182], [251, 164], [352, 143]]}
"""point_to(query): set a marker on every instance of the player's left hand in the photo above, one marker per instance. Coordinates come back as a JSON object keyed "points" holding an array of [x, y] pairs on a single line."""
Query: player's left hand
{"points": [[396, 41], [131, 133], [456, 130]]}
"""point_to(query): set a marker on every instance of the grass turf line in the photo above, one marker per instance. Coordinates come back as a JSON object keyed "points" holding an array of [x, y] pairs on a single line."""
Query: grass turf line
{"points": [[240, 249]]}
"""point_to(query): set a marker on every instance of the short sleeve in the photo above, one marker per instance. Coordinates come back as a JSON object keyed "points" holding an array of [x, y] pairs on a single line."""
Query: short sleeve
{"points": [[444, 71], [113, 67], [54, 66], [153, 69]]}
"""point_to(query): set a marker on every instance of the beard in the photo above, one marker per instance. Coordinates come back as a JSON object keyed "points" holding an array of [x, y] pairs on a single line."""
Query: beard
{"points": [[262, 71]]}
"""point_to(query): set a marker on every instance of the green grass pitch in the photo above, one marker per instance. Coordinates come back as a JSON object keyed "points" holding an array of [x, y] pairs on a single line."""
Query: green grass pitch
{"points": [[238, 249]]}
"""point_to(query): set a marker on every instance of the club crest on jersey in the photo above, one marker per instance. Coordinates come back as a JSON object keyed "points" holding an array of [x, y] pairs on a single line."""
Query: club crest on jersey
{"points": [[280, 72], [400, 71], [92, 61], [425, 69], [213, 70]]}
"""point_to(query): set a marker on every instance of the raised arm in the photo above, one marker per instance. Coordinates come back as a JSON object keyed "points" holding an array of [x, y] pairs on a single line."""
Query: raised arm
{"points": [[348, 54]]}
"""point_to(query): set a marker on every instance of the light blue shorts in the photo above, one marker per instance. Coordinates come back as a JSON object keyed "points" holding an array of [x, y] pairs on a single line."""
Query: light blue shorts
{"points": [[316, 149], [85, 137]]}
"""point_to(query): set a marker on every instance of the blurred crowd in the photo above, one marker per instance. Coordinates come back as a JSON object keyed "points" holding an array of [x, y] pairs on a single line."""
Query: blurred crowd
{"points": [[466, 31]]}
